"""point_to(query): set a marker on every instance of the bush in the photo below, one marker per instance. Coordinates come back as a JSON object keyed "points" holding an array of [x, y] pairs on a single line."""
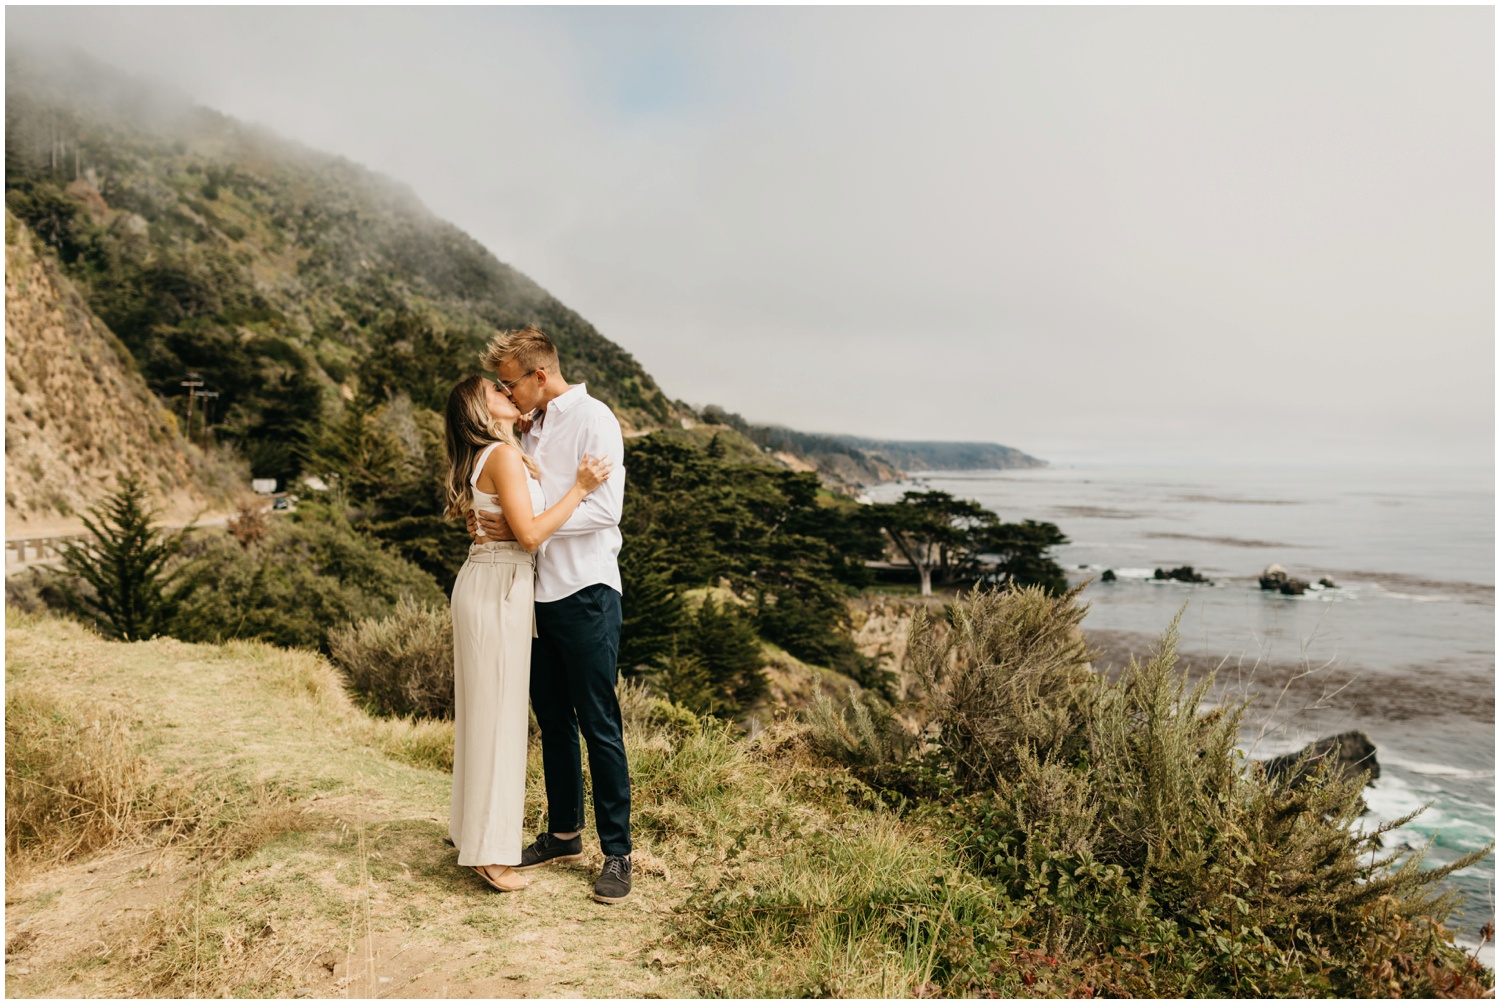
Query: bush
{"points": [[309, 575], [642, 712], [1010, 673], [1146, 854], [402, 664]]}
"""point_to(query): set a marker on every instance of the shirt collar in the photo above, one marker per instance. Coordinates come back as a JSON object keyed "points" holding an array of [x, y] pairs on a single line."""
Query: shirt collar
{"points": [[570, 397], [561, 403]]}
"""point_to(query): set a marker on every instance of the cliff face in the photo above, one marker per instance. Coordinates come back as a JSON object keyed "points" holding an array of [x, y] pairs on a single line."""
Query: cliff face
{"points": [[77, 413]]}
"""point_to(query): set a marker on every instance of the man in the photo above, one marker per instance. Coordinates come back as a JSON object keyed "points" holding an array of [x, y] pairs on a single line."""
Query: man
{"points": [[573, 668]]}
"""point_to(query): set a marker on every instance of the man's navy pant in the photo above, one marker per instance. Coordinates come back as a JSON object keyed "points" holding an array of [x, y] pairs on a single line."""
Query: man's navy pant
{"points": [[573, 672]]}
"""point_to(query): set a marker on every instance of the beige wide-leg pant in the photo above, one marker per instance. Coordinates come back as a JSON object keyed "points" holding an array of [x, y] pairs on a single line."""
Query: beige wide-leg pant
{"points": [[493, 623]]}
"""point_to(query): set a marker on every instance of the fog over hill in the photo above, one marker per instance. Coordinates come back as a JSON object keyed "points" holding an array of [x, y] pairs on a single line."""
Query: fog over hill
{"points": [[292, 281]]}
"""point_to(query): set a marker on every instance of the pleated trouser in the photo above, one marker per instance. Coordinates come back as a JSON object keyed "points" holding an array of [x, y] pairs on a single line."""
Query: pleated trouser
{"points": [[493, 623]]}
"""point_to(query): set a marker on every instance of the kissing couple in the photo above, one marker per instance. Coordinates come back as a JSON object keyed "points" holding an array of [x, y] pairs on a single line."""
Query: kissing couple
{"points": [[536, 467]]}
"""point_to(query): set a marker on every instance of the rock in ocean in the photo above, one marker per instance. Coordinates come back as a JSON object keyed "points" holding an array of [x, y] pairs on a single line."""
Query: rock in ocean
{"points": [[1347, 752]]}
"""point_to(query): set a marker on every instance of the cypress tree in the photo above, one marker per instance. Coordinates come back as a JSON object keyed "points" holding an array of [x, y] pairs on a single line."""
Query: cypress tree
{"points": [[132, 595], [729, 649], [652, 610]]}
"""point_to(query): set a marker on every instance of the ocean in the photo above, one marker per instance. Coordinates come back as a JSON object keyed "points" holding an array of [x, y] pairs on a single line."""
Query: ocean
{"points": [[1402, 649]]}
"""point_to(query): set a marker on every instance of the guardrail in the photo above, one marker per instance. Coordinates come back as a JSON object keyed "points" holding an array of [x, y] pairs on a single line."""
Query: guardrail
{"points": [[24, 552]]}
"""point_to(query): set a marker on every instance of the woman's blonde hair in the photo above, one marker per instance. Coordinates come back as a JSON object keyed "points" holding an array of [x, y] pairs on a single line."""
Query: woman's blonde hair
{"points": [[469, 428]]}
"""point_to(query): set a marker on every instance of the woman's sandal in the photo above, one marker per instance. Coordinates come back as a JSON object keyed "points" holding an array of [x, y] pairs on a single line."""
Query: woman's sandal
{"points": [[509, 880]]}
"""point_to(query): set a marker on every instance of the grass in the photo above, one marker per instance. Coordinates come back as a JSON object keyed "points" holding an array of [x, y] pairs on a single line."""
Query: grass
{"points": [[316, 859], [305, 853]]}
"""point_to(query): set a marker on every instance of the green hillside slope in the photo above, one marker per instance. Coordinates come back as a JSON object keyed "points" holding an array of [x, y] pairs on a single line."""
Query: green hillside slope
{"points": [[286, 277]]}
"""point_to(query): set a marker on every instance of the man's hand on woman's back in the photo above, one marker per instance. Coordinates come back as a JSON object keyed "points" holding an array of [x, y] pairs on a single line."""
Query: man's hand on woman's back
{"points": [[494, 524]]}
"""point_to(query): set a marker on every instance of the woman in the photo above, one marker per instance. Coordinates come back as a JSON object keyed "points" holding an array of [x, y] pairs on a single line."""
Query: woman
{"points": [[492, 624]]}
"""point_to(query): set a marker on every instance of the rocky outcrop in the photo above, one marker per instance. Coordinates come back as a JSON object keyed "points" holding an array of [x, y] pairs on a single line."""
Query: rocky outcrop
{"points": [[1347, 752], [77, 413], [1183, 574], [1273, 577]]}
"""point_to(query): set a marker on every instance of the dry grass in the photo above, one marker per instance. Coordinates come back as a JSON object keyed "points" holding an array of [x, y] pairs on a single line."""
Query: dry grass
{"points": [[75, 780], [318, 859]]}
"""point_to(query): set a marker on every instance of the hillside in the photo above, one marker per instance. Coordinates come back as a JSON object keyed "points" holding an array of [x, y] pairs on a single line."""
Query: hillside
{"points": [[304, 854], [289, 278], [77, 412], [943, 456], [852, 461], [294, 281]]}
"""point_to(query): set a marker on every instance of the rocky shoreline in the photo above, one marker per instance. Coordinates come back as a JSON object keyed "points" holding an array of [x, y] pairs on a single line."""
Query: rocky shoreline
{"points": [[1333, 695]]}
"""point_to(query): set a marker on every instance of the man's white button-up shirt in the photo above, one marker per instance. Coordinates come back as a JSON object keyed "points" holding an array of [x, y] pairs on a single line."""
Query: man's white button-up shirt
{"points": [[585, 549]]}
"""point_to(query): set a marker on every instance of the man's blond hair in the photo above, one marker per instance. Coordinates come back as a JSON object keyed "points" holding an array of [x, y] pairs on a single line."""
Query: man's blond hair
{"points": [[529, 347]]}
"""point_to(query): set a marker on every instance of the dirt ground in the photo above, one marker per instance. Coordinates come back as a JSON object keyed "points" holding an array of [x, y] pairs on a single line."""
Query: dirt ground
{"points": [[352, 891]]}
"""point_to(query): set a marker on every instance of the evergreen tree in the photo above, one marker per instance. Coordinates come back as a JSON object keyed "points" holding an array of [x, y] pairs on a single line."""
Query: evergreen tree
{"points": [[680, 675], [934, 532], [360, 456], [1021, 550], [652, 608], [726, 644], [132, 595]]}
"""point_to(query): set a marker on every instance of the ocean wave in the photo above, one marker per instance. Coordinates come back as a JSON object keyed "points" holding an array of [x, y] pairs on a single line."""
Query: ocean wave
{"points": [[1236, 500], [1225, 541], [1390, 798], [1135, 573], [1095, 512], [1432, 769], [1398, 585]]}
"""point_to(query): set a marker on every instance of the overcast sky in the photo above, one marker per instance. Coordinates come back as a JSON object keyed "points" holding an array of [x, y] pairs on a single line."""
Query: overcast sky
{"points": [[1097, 234]]}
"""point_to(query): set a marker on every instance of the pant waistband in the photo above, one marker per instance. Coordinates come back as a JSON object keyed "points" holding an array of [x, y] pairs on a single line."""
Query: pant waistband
{"points": [[504, 552]]}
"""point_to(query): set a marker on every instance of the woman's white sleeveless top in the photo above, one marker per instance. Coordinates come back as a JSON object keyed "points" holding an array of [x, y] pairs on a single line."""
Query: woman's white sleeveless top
{"points": [[485, 501]]}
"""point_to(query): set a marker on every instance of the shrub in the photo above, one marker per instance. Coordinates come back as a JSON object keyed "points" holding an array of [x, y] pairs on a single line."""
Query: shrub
{"points": [[251, 522], [1143, 850], [401, 664], [1010, 673], [309, 575], [643, 713], [862, 735]]}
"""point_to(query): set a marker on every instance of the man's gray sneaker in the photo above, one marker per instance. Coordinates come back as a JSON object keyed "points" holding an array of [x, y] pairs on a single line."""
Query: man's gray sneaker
{"points": [[546, 849], [614, 880]]}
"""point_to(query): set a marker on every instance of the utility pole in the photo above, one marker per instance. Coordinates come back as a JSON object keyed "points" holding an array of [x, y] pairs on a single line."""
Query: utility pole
{"points": [[192, 383], [207, 396]]}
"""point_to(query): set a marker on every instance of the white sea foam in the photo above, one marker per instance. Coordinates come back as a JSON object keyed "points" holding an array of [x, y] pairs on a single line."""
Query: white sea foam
{"points": [[1431, 769]]}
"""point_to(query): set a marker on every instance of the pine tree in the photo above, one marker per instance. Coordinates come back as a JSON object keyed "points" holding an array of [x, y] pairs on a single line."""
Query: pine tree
{"points": [[133, 596], [680, 676], [653, 612], [727, 645]]}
